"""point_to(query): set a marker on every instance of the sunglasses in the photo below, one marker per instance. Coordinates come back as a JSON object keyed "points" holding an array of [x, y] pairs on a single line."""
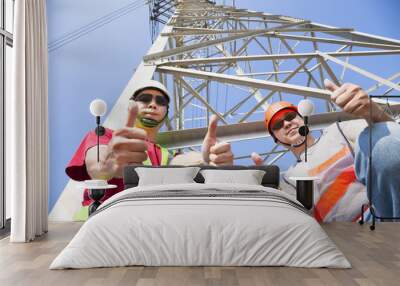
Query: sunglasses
{"points": [[147, 98], [278, 124]]}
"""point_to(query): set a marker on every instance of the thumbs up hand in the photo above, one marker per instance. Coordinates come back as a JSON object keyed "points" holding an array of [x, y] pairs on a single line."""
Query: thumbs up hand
{"points": [[133, 110], [354, 100], [127, 146], [215, 153]]}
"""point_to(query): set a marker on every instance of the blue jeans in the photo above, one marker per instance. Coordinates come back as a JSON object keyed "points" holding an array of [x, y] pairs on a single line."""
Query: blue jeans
{"points": [[385, 170]]}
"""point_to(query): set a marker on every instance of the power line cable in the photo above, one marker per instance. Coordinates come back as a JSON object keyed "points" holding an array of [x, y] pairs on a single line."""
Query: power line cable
{"points": [[90, 29], [74, 35], [98, 20], [93, 23]]}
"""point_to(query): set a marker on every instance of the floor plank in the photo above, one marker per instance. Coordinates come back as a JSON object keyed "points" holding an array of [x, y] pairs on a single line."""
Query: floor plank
{"points": [[375, 257]]}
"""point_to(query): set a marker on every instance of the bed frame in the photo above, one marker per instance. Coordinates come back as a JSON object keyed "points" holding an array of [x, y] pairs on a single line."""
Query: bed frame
{"points": [[270, 179]]}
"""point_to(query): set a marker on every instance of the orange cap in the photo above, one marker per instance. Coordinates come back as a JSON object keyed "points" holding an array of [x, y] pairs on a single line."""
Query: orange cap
{"points": [[273, 109]]}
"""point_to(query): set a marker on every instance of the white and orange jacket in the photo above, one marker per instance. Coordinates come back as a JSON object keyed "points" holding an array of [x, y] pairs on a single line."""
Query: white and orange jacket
{"points": [[338, 195]]}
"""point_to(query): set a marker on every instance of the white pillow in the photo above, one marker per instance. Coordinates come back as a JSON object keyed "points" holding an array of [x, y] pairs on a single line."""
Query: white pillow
{"points": [[165, 176], [248, 177]]}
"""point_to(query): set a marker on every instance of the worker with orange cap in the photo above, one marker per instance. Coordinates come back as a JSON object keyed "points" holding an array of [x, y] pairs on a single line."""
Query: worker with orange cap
{"points": [[276, 115], [339, 157]]}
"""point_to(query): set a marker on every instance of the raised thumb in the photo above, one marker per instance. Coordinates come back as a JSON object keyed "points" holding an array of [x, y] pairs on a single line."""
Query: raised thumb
{"points": [[212, 127], [329, 85], [258, 161], [132, 113]]}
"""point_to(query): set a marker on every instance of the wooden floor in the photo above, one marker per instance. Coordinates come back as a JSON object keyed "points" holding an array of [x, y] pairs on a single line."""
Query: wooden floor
{"points": [[375, 257]]}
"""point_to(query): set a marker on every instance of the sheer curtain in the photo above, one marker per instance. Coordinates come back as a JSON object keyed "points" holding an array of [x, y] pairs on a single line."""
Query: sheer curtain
{"points": [[27, 121]]}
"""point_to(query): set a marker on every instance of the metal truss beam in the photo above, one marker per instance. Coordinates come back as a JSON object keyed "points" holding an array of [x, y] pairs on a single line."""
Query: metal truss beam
{"points": [[198, 61], [255, 92], [255, 83], [245, 131], [334, 41], [358, 36], [361, 71], [181, 50], [200, 98], [222, 69], [290, 76], [378, 85], [203, 31]]}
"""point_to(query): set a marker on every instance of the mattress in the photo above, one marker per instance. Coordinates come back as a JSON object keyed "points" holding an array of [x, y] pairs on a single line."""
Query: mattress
{"points": [[200, 225]]}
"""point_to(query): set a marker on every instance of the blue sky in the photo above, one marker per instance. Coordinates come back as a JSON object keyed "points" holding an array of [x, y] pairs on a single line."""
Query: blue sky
{"points": [[100, 63]]}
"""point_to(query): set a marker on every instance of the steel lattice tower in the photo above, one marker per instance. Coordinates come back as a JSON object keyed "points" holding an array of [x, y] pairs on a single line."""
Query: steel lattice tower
{"points": [[204, 44]]}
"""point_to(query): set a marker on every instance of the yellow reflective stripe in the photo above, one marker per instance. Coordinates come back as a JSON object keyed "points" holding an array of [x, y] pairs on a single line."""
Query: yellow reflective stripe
{"points": [[82, 214], [147, 162], [164, 156]]}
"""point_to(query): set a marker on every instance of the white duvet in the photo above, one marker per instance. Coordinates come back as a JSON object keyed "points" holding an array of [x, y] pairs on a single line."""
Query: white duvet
{"points": [[190, 230]]}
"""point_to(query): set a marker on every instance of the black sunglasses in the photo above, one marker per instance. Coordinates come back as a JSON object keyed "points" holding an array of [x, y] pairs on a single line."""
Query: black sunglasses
{"points": [[278, 124], [147, 98]]}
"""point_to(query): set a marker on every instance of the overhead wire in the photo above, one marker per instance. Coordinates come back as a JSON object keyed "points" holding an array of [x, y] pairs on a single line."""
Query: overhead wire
{"points": [[94, 25]]}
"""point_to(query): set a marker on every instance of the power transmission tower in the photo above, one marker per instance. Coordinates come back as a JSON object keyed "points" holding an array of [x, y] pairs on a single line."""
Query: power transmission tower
{"points": [[205, 47]]}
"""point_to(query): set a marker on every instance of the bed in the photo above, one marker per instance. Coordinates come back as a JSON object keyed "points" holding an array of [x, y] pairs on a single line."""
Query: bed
{"points": [[201, 224]]}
